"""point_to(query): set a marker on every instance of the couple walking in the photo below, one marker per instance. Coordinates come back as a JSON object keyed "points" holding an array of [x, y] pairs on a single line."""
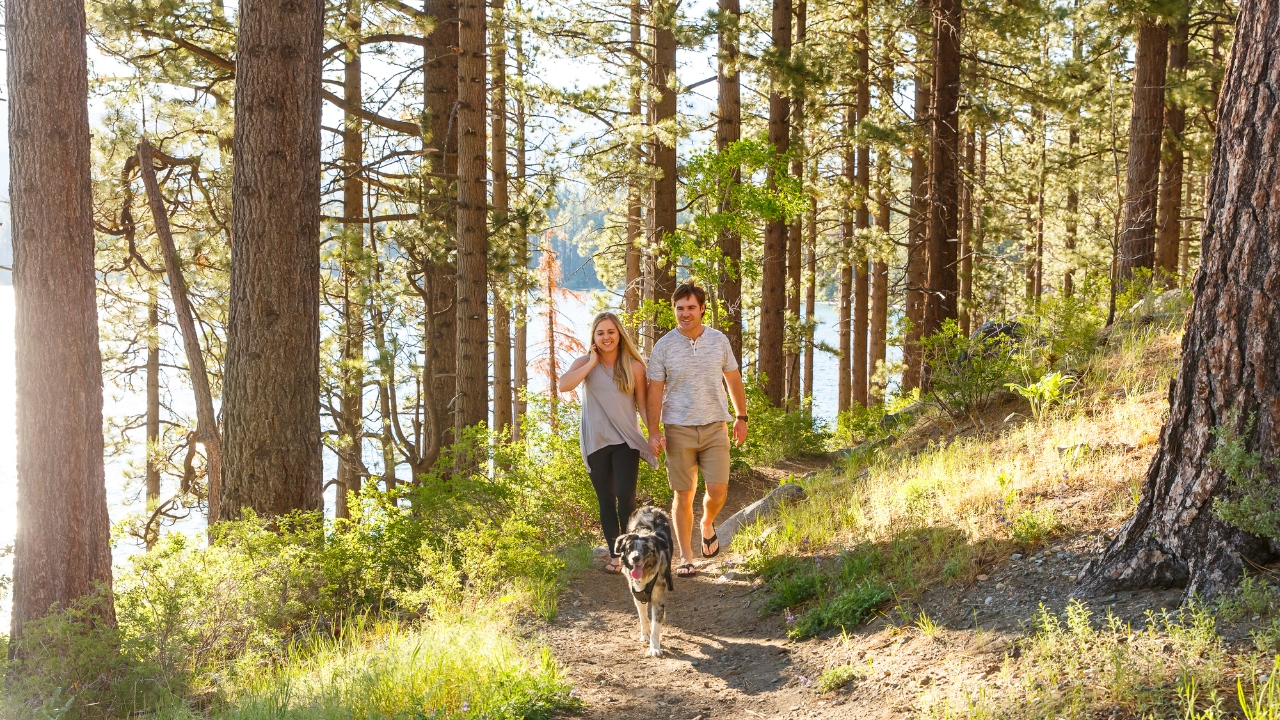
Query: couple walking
{"points": [[683, 388]]}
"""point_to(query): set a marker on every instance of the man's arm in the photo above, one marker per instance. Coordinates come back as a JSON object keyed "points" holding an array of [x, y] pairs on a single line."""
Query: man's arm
{"points": [[656, 440], [738, 394]]}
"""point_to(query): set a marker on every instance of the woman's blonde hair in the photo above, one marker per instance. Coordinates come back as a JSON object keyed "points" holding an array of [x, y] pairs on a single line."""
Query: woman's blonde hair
{"points": [[623, 375]]}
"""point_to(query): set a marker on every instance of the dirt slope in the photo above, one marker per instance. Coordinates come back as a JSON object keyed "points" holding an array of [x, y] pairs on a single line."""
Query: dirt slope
{"points": [[722, 659]]}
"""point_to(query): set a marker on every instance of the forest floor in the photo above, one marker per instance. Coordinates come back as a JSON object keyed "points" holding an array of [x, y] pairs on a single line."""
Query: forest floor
{"points": [[721, 657], [968, 643]]}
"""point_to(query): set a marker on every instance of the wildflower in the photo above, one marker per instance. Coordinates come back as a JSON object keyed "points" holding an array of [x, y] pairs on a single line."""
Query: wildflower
{"points": [[790, 618]]}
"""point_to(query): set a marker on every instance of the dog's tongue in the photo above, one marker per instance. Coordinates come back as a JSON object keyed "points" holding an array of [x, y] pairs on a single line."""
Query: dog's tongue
{"points": [[637, 572]]}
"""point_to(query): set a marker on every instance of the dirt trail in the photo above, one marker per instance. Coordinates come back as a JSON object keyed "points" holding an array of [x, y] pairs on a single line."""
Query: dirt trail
{"points": [[722, 659]]}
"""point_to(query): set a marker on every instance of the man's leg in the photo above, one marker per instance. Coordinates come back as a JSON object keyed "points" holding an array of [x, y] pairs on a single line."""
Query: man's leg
{"points": [[714, 460], [682, 515], [682, 474], [712, 504]]}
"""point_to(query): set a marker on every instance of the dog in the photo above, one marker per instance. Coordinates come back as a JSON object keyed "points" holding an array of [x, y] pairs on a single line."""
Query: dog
{"points": [[646, 551]]}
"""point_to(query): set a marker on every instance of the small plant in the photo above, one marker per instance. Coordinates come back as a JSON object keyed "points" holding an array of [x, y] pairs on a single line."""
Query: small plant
{"points": [[834, 678], [1255, 507], [1045, 393], [966, 373], [1264, 702], [927, 626], [1029, 527], [850, 608]]}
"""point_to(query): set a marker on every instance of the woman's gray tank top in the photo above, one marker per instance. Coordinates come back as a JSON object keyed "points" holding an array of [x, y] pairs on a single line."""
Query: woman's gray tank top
{"points": [[609, 415]]}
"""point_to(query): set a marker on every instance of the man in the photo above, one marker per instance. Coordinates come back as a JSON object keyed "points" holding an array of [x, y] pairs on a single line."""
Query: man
{"points": [[688, 371]]}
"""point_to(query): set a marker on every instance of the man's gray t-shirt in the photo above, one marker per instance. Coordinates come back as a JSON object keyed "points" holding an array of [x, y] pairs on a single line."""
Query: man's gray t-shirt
{"points": [[693, 370]]}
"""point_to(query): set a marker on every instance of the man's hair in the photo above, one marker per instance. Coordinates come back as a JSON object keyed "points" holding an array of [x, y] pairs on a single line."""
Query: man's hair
{"points": [[686, 290]]}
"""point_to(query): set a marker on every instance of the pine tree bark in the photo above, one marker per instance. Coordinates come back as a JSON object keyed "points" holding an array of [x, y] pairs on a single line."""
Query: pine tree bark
{"points": [[1142, 175], [502, 388], [944, 187], [1169, 225], [664, 153], [1230, 370], [917, 223], [862, 215], [795, 234], [810, 296], [728, 131], [519, 353], [773, 280], [351, 370], [271, 400], [440, 83], [966, 234], [153, 402], [206, 420], [844, 288], [635, 210], [877, 345], [471, 403], [62, 548]]}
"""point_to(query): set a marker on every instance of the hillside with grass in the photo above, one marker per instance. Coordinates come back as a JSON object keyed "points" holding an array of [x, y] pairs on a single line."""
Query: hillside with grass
{"points": [[931, 572]]}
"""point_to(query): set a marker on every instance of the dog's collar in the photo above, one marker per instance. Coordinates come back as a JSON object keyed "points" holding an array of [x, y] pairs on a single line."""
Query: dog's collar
{"points": [[644, 596]]}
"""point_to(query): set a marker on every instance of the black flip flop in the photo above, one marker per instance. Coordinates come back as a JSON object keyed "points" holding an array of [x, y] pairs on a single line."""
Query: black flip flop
{"points": [[707, 542], [692, 570]]}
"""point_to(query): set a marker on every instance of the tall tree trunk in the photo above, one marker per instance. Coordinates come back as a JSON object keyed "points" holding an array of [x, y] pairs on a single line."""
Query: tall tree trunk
{"points": [[917, 258], [1038, 288], [206, 420], [728, 131], [1072, 218], [521, 349], [1137, 234], [795, 235], [351, 369], [62, 548], [1184, 243], [944, 187], [1229, 379], [153, 402], [271, 400], [440, 83], [979, 217], [471, 403], [633, 289], [1169, 225], [810, 295], [664, 153], [844, 371], [773, 300], [862, 215], [966, 234], [502, 388], [877, 345]]}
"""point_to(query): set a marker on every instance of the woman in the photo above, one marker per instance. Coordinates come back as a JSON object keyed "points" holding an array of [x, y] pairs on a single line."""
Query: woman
{"points": [[614, 384]]}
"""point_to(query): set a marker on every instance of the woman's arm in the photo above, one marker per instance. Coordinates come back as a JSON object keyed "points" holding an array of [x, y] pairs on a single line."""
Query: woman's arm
{"points": [[642, 392], [577, 372]]}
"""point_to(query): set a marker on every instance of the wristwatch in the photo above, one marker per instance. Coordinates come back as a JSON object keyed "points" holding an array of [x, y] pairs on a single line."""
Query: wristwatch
{"points": [[743, 418]]}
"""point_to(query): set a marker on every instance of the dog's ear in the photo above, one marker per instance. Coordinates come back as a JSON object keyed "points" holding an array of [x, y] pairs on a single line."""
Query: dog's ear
{"points": [[622, 544]]}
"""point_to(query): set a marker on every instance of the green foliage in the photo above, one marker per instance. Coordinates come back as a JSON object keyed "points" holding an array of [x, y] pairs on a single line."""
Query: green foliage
{"points": [[834, 678], [966, 373], [1061, 334], [1254, 502], [1263, 703], [1044, 393], [850, 608], [777, 433], [1031, 526], [466, 666]]}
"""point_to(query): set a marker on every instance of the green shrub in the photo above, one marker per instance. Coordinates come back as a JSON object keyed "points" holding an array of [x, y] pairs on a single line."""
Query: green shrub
{"points": [[1254, 505], [850, 608], [834, 678], [776, 433], [966, 374], [1045, 393]]}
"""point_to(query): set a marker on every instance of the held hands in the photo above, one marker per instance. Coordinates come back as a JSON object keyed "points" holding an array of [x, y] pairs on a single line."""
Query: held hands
{"points": [[657, 443], [739, 431]]}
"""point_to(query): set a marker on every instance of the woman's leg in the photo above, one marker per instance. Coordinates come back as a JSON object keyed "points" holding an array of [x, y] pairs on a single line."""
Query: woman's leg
{"points": [[600, 463], [626, 469]]}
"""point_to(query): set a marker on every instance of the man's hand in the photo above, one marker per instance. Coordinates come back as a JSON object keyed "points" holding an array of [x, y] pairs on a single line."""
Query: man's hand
{"points": [[739, 431], [657, 443]]}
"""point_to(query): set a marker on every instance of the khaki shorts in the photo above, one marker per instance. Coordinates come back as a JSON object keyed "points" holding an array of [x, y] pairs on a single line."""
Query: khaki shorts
{"points": [[690, 447]]}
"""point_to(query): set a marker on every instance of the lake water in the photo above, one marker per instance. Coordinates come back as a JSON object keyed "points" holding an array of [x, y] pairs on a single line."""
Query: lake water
{"points": [[574, 316]]}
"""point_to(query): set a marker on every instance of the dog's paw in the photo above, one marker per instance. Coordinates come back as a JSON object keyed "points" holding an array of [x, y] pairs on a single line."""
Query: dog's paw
{"points": [[644, 637], [654, 652]]}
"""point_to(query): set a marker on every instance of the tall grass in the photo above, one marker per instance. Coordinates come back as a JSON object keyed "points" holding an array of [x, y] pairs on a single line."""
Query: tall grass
{"points": [[467, 666]]}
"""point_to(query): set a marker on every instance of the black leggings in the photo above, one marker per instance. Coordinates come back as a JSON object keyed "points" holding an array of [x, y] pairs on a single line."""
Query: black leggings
{"points": [[613, 474]]}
